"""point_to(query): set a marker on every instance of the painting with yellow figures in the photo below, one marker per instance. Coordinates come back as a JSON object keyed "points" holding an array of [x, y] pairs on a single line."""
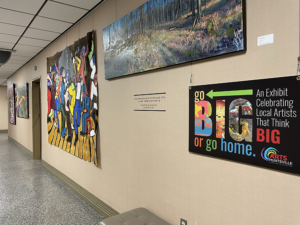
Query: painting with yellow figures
{"points": [[72, 94]]}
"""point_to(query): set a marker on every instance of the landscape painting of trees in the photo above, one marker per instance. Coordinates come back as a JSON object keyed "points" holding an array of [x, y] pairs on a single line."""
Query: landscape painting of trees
{"points": [[162, 33]]}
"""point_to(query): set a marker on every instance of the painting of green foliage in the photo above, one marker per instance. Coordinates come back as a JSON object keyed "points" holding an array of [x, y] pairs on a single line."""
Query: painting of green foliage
{"points": [[162, 33], [22, 102]]}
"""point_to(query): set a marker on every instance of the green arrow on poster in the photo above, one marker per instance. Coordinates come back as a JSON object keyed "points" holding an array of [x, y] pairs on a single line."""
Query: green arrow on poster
{"points": [[213, 94]]}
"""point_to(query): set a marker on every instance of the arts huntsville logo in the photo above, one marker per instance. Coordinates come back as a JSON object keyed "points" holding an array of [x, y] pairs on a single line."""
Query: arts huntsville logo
{"points": [[272, 155]]}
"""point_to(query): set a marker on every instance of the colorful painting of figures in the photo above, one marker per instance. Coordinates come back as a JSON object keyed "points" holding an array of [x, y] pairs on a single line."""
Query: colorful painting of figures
{"points": [[162, 33], [11, 104], [22, 101], [72, 96]]}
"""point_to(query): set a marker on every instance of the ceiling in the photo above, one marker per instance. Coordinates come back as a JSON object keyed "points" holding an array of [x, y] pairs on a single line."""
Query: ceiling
{"points": [[28, 26]]}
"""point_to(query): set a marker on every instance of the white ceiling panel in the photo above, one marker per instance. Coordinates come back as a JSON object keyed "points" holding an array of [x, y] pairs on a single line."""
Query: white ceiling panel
{"points": [[4, 83], [53, 19], [28, 6], [40, 34], [14, 63], [16, 18], [6, 45], [4, 73], [9, 70], [87, 4], [27, 48], [33, 42], [11, 29], [3, 80], [62, 12], [25, 53], [17, 62], [49, 25], [8, 38], [10, 66], [19, 58]]}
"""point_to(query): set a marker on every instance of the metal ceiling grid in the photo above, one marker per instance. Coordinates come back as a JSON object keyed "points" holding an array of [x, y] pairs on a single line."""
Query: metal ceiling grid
{"points": [[29, 26]]}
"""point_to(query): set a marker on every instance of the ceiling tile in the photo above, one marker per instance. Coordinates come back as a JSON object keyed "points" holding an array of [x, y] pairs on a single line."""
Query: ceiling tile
{"points": [[10, 66], [6, 45], [40, 34], [14, 63], [16, 18], [20, 58], [8, 38], [11, 29], [33, 42], [27, 48], [4, 77], [62, 12], [82, 4], [28, 6], [4, 73], [4, 83], [4, 69], [25, 53], [49, 25]]}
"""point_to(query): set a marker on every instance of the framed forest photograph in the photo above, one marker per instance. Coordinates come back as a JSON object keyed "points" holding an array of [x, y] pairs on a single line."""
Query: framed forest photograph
{"points": [[163, 33]]}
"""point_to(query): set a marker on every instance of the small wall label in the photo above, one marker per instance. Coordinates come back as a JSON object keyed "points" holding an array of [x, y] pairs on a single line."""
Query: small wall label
{"points": [[265, 40], [150, 102]]}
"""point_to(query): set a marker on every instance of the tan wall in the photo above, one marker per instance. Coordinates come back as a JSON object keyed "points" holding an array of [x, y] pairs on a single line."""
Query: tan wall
{"points": [[144, 156], [4, 108]]}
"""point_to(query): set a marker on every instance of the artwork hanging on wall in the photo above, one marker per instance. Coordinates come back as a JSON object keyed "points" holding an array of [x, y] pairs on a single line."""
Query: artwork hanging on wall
{"points": [[254, 122], [72, 94], [11, 104], [22, 101], [163, 33]]}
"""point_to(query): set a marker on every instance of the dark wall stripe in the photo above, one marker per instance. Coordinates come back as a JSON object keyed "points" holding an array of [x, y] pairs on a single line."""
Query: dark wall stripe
{"points": [[152, 94]]}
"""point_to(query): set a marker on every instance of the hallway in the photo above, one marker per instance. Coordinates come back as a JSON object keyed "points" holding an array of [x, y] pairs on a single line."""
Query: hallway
{"points": [[30, 195]]}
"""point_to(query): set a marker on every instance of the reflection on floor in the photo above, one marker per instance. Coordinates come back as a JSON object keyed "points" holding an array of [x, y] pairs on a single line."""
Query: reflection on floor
{"points": [[30, 195]]}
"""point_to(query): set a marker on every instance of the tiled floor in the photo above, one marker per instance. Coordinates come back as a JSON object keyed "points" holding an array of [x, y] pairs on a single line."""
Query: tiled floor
{"points": [[30, 195]]}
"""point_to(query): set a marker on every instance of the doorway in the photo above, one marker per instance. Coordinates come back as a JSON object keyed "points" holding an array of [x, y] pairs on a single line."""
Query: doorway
{"points": [[36, 119]]}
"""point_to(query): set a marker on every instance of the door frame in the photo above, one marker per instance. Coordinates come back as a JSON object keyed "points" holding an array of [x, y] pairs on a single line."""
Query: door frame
{"points": [[37, 153]]}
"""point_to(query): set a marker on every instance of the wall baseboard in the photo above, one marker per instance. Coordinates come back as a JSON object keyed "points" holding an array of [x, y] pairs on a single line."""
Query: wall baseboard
{"points": [[20, 146], [3, 131], [88, 197]]}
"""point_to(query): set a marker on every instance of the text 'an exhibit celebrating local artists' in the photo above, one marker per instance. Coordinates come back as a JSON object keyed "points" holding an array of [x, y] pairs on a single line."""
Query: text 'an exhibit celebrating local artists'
{"points": [[255, 122]]}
